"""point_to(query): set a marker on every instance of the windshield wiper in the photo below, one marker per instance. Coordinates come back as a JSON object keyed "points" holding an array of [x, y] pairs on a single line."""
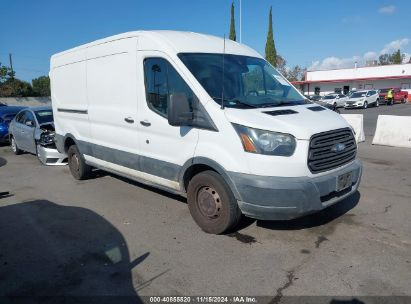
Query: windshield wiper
{"points": [[282, 103], [237, 101]]}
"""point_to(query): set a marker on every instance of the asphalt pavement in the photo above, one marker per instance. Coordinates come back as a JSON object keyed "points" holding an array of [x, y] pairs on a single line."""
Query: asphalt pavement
{"points": [[111, 236]]}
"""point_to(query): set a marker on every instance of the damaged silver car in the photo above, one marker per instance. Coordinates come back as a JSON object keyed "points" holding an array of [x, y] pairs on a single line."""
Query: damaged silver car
{"points": [[32, 130]]}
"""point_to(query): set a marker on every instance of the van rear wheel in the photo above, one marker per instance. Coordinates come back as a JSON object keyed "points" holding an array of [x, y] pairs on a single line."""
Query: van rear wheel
{"points": [[78, 167], [212, 204]]}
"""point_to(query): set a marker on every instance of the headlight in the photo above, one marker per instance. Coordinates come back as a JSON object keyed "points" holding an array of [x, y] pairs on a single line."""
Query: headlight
{"points": [[361, 100], [265, 142], [46, 139]]}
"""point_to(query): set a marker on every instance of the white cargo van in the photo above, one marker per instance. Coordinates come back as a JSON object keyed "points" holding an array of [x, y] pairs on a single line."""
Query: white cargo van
{"points": [[205, 118]]}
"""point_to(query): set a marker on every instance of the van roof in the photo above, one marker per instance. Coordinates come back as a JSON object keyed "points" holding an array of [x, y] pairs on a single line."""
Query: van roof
{"points": [[176, 42]]}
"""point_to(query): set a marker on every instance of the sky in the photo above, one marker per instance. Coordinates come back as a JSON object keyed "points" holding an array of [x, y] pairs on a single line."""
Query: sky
{"points": [[318, 34]]}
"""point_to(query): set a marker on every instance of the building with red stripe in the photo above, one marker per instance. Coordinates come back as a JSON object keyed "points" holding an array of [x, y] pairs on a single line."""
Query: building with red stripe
{"points": [[357, 78]]}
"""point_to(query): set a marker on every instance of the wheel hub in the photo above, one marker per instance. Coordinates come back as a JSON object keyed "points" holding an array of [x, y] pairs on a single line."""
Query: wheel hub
{"points": [[209, 202]]}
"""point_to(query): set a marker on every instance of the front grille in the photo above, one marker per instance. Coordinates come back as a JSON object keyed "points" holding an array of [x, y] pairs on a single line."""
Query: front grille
{"points": [[322, 154]]}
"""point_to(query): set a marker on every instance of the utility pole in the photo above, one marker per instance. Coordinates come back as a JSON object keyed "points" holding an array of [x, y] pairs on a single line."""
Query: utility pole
{"points": [[11, 66], [241, 31]]}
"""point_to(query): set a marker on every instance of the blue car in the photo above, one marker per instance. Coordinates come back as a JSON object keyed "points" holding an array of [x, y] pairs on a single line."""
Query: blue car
{"points": [[7, 113]]}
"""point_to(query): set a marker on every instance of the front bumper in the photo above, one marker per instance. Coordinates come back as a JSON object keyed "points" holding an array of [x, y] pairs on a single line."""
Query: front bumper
{"points": [[353, 105], [284, 198], [51, 157]]}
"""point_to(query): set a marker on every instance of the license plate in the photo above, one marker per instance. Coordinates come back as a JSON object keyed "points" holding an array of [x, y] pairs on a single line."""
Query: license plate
{"points": [[344, 181]]}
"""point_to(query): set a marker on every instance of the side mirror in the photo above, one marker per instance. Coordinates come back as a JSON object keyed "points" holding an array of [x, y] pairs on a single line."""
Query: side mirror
{"points": [[29, 123], [179, 110]]}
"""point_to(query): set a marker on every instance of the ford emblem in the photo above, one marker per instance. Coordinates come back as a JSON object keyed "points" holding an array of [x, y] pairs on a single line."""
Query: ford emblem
{"points": [[337, 148]]}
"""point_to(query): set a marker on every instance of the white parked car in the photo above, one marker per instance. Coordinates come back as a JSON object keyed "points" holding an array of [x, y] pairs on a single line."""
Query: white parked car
{"points": [[336, 100], [159, 107], [363, 99]]}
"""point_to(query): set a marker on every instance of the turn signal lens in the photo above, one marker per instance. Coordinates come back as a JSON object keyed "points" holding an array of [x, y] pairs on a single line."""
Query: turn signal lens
{"points": [[247, 143]]}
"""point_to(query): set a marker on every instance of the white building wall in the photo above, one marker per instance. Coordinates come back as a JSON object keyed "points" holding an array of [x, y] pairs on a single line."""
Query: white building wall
{"points": [[330, 87], [379, 77], [360, 73]]}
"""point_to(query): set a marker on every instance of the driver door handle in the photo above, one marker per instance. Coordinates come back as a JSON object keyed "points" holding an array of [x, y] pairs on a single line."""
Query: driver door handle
{"points": [[129, 120], [145, 123]]}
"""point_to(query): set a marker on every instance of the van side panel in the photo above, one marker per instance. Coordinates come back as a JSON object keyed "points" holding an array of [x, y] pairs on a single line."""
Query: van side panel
{"points": [[111, 84], [69, 94]]}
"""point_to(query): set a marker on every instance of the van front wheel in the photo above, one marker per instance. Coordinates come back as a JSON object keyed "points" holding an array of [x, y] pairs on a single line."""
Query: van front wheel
{"points": [[78, 167], [211, 203]]}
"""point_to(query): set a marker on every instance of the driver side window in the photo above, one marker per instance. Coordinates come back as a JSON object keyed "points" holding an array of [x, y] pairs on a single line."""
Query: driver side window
{"points": [[29, 118], [161, 82], [20, 117]]}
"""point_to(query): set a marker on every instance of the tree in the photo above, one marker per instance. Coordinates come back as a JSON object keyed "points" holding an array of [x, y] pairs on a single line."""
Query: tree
{"points": [[232, 24], [41, 86], [384, 59], [281, 65], [14, 87], [270, 51], [296, 73], [5, 73], [396, 57]]}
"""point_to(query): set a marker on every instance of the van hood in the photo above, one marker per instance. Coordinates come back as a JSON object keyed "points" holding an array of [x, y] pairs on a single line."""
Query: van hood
{"points": [[302, 124]]}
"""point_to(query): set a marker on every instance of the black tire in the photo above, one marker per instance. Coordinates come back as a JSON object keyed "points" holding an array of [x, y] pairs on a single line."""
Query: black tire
{"points": [[365, 105], [14, 147], [212, 204], [78, 167]]}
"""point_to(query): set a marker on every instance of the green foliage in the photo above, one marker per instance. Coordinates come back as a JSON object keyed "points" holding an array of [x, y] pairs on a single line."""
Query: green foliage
{"points": [[5, 73], [232, 24], [41, 86], [394, 58], [270, 51], [14, 87], [384, 59]]}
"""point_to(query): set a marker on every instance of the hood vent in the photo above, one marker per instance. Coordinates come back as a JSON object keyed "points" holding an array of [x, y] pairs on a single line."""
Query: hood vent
{"points": [[316, 109], [280, 112]]}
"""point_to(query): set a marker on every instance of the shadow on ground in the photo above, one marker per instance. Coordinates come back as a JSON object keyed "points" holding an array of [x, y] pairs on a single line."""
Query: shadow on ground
{"points": [[52, 250], [3, 161], [317, 219]]}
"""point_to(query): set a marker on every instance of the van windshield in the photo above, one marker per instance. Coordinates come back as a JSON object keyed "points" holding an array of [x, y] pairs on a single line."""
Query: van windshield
{"points": [[249, 82]]}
